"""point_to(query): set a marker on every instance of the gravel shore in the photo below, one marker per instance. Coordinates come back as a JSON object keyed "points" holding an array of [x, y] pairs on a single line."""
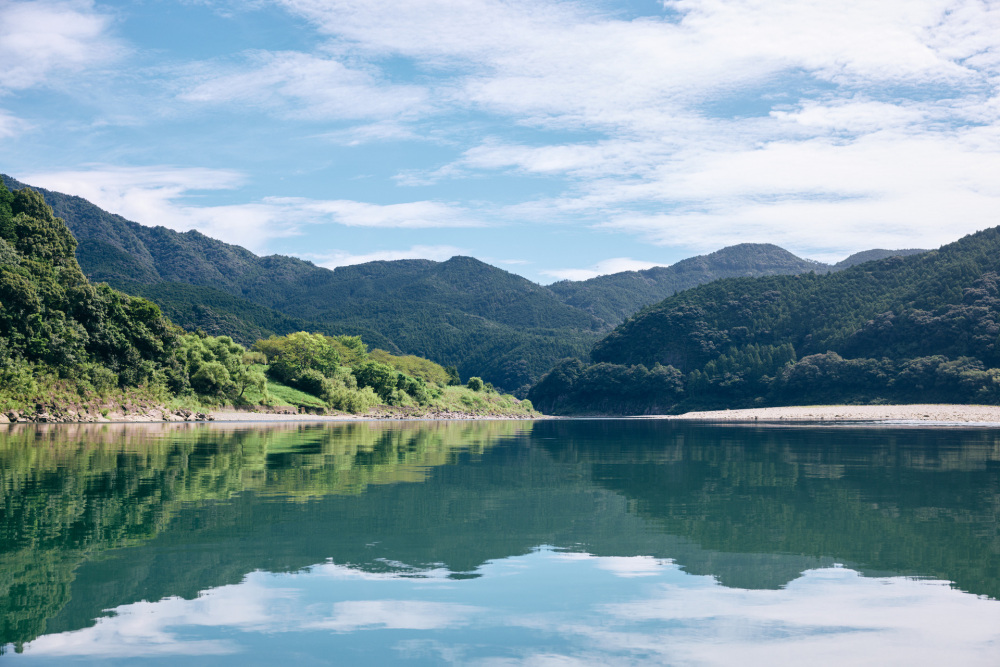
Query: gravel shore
{"points": [[951, 414]]}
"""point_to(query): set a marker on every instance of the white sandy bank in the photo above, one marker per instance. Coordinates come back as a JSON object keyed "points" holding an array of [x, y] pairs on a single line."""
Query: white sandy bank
{"points": [[980, 414]]}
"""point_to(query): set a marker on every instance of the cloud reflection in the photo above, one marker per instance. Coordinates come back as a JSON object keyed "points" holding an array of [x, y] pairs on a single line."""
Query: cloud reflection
{"points": [[562, 608]]}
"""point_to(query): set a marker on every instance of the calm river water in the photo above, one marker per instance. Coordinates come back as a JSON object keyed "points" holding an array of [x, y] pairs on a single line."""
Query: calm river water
{"points": [[597, 542]]}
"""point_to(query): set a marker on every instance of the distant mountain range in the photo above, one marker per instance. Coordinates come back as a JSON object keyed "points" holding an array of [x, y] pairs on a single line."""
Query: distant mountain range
{"points": [[616, 296], [462, 312]]}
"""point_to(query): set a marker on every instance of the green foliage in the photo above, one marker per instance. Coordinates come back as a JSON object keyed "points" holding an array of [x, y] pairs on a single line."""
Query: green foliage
{"points": [[413, 366], [291, 356], [379, 377], [51, 316], [216, 368], [6, 214], [8, 256], [573, 388], [921, 328], [475, 384], [281, 394], [352, 349], [355, 401]]}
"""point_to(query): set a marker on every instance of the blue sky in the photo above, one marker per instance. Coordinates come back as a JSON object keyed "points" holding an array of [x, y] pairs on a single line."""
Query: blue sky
{"points": [[552, 139]]}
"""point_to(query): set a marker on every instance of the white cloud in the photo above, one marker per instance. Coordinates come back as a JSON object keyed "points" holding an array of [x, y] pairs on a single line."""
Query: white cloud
{"points": [[386, 130], [860, 620], [11, 125], [39, 39], [305, 86], [627, 567], [167, 196], [868, 117], [604, 267], [411, 215], [332, 260], [355, 615]]}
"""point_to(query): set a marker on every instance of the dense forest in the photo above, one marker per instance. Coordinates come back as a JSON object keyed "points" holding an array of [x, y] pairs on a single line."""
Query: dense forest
{"points": [[69, 344], [922, 328], [462, 312]]}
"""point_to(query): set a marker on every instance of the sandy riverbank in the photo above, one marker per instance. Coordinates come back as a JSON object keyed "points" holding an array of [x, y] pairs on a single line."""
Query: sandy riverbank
{"points": [[957, 414]]}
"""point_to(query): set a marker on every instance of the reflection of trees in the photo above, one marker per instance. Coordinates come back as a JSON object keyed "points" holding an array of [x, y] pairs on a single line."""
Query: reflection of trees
{"points": [[201, 506], [72, 491], [923, 502]]}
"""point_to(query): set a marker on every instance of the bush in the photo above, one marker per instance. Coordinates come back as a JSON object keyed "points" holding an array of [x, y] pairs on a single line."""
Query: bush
{"points": [[381, 378], [312, 382], [357, 401], [475, 384]]}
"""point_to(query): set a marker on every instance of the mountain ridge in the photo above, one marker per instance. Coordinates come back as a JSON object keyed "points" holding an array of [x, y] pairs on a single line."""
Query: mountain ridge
{"points": [[461, 312]]}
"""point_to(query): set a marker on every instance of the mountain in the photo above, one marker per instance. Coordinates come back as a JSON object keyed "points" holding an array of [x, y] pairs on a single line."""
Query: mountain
{"points": [[872, 255], [460, 312], [925, 327], [616, 296]]}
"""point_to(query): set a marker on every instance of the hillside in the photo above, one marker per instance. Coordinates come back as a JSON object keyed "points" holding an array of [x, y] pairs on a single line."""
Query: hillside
{"points": [[461, 312], [872, 255], [923, 327], [616, 296], [74, 351], [59, 332]]}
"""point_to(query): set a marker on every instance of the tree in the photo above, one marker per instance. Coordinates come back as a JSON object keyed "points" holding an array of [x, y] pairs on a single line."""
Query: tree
{"points": [[381, 378]]}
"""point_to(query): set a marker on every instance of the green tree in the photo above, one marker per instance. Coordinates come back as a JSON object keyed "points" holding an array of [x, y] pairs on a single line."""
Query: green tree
{"points": [[381, 378]]}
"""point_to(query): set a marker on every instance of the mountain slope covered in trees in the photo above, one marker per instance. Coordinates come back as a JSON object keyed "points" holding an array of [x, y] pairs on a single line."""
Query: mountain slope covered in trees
{"points": [[616, 296], [919, 328], [461, 312], [78, 348]]}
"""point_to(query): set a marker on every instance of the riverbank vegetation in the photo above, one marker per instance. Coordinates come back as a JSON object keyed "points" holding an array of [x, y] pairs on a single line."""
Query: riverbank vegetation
{"points": [[70, 347]]}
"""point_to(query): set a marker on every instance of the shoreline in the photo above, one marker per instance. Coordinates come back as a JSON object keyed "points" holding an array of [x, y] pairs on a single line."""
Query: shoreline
{"points": [[912, 413], [917, 414]]}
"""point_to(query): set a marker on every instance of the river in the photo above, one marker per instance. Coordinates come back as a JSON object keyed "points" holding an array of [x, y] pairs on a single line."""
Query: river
{"points": [[565, 542]]}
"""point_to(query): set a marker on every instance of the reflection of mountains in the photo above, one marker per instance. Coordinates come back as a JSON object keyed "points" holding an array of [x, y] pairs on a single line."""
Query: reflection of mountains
{"points": [[753, 507], [924, 502]]}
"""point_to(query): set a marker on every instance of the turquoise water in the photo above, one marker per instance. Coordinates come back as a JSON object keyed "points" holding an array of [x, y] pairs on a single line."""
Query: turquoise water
{"points": [[587, 542]]}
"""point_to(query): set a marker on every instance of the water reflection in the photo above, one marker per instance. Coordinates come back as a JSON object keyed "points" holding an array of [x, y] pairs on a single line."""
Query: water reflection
{"points": [[533, 610], [598, 540]]}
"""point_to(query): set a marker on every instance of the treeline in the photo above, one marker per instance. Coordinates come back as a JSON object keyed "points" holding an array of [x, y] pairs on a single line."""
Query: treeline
{"points": [[63, 338], [919, 328]]}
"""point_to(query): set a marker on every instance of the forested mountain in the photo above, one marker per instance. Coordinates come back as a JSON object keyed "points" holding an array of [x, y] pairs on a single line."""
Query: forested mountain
{"points": [[872, 255], [616, 296], [461, 312], [919, 328], [78, 349]]}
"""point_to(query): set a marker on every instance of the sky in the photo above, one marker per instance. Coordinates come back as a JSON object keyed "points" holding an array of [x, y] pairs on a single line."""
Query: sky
{"points": [[554, 139]]}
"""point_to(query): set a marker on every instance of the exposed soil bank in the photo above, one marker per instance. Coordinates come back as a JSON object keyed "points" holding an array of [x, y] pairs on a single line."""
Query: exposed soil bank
{"points": [[954, 414]]}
